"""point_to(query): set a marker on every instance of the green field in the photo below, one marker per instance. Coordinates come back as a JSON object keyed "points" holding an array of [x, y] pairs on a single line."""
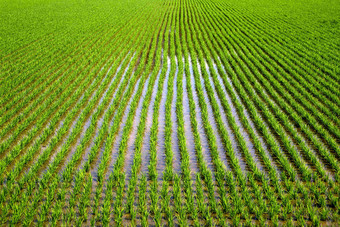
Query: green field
{"points": [[169, 112]]}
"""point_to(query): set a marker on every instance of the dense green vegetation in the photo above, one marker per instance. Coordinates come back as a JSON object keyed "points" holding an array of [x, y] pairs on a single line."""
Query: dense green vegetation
{"points": [[169, 112]]}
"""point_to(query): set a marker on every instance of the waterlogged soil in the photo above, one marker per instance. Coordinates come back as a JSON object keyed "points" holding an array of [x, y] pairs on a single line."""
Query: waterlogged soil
{"points": [[22, 117], [117, 141], [101, 118], [54, 152], [130, 152], [226, 124], [111, 82], [161, 126], [80, 138], [85, 128], [219, 143], [94, 167], [26, 131], [114, 152], [279, 141], [189, 136], [242, 130], [45, 145], [187, 124], [97, 160], [203, 137], [174, 137], [296, 146], [274, 161], [221, 115], [146, 141]]}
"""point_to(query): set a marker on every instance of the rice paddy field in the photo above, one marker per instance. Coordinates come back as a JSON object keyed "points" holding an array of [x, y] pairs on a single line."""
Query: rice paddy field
{"points": [[169, 112]]}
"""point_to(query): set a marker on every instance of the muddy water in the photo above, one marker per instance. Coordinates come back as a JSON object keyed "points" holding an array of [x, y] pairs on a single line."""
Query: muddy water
{"points": [[45, 145], [116, 144], [101, 118], [226, 124], [130, 152], [242, 130], [278, 140], [264, 145], [148, 125], [189, 136], [174, 136], [88, 123], [161, 127], [111, 82], [203, 136], [57, 149], [220, 147], [80, 137], [94, 168], [122, 78], [114, 152]]}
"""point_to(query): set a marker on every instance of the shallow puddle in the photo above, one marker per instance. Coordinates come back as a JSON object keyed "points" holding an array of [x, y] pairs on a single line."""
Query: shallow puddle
{"points": [[161, 127], [130, 151], [102, 117], [226, 125], [242, 130], [57, 149], [45, 145], [220, 147], [118, 138], [264, 145], [88, 124], [203, 137], [189, 136], [146, 141], [174, 137], [111, 82]]}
